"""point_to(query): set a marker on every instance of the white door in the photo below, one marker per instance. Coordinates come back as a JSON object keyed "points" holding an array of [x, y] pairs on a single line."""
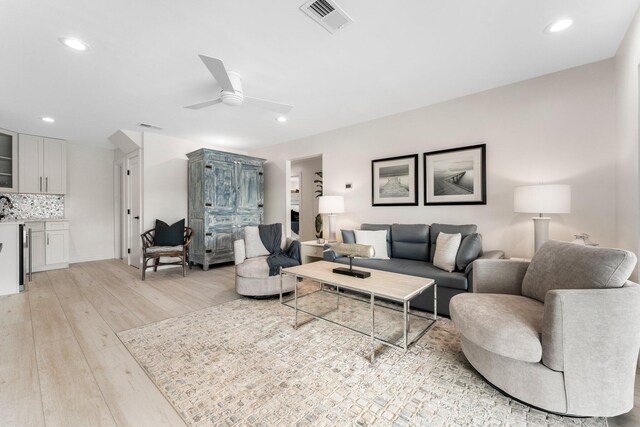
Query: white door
{"points": [[30, 152], [135, 228], [57, 247], [55, 166]]}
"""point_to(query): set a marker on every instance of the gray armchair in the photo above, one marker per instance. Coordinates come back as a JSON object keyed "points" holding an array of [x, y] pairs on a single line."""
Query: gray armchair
{"points": [[561, 333], [252, 270]]}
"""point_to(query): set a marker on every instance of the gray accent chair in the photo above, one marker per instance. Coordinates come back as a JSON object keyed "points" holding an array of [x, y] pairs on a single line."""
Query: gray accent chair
{"points": [[252, 270], [561, 333]]}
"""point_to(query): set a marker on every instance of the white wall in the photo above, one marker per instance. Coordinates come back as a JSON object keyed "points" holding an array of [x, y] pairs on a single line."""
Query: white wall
{"points": [[89, 202], [165, 177], [307, 169], [558, 128], [628, 95]]}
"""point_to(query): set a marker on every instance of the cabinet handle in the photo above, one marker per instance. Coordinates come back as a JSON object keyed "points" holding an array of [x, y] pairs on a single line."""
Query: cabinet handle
{"points": [[46, 181], [40, 183], [47, 240], [207, 204]]}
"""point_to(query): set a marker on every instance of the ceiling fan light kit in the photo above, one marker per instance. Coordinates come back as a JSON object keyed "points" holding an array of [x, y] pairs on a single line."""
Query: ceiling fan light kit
{"points": [[231, 93]]}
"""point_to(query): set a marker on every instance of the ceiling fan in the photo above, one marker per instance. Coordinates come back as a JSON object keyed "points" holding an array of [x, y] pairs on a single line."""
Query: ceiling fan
{"points": [[231, 93]]}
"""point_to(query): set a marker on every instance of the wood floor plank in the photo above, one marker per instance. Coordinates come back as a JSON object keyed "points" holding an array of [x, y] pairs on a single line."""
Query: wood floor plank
{"points": [[20, 399], [117, 316], [14, 309], [70, 394], [146, 310], [132, 397], [49, 321]]}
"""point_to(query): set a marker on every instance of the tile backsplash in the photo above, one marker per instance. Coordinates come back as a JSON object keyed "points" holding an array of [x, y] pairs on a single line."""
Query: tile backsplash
{"points": [[33, 206]]}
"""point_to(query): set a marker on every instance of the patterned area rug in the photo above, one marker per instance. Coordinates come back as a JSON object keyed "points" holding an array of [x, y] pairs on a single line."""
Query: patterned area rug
{"points": [[242, 363]]}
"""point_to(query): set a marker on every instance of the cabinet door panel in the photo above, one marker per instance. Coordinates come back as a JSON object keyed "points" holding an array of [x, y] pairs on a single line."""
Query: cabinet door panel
{"points": [[55, 166], [220, 241], [57, 247], [37, 251], [249, 188], [30, 155], [220, 186]]}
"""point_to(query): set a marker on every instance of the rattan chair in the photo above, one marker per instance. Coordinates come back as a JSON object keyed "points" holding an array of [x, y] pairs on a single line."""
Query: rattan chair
{"points": [[152, 252]]}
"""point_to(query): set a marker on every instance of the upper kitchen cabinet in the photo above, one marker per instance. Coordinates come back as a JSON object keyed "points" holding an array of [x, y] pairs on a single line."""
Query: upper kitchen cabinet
{"points": [[42, 165], [8, 161]]}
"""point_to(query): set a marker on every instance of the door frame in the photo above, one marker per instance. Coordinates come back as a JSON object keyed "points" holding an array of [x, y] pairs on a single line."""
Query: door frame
{"points": [[131, 232]]}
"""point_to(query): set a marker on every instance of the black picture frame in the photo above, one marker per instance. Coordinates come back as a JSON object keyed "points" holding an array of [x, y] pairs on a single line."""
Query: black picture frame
{"points": [[401, 187], [455, 189]]}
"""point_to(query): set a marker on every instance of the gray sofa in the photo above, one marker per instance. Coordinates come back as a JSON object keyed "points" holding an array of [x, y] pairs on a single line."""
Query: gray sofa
{"points": [[411, 248], [561, 333]]}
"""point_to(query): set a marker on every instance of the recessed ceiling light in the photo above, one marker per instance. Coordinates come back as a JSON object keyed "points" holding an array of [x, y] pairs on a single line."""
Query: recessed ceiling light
{"points": [[281, 119], [48, 119], [559, 25], [75, 44]]}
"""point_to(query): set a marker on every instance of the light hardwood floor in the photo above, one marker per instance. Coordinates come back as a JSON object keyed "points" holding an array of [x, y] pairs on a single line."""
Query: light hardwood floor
{"points": [[61, 363]]}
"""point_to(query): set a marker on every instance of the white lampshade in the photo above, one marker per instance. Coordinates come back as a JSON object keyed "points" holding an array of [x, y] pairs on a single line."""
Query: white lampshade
{"points": [[330, 204], [542, 199]]}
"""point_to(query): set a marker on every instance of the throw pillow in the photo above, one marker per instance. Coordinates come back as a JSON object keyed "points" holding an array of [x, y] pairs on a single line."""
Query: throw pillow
{"points": [[446, 250], [377, 239], [470, 249], [169, 235], [348, 236], [253, 246]]}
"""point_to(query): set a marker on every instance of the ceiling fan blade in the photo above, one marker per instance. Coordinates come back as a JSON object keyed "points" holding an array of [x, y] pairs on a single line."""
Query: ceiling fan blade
{"points": [[269, 105], [219, 72], [204, 104]]}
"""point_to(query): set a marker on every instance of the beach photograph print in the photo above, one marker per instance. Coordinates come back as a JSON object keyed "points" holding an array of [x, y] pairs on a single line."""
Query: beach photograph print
{"points": [[455, 176], [395, 181]]}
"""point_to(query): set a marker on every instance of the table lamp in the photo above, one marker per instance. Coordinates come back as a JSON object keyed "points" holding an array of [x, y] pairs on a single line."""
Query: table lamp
{"points": [[330, 206], [542, 199]]}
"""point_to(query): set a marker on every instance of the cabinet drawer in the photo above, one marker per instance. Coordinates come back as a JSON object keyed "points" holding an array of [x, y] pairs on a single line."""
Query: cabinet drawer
{"points": [[220, 221], [250, 219], [313, 251], [57, 225], [35, 226]]}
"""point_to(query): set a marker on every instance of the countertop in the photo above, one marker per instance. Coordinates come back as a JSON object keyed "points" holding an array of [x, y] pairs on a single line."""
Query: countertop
{"points": [[22, 221]]}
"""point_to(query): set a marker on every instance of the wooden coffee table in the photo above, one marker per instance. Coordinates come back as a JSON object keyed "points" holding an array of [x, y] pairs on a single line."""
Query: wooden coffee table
{"points": [[399, 288]]}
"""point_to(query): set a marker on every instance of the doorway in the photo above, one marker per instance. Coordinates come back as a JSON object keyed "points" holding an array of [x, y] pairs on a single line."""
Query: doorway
{"points": [[305, 186]]}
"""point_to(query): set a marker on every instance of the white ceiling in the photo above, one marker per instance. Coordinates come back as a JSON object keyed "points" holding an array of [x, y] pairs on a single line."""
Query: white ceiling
{"points": [[395, 56]]}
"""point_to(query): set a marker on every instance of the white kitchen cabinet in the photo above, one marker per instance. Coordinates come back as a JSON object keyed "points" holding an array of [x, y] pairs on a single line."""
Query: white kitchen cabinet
{"points": [[9, 259], [42, 165], [8, 161], [49, 245]]}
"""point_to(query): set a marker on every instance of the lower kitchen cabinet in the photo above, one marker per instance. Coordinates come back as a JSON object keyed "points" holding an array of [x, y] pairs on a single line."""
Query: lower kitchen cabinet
{"points": [[49, 245]]}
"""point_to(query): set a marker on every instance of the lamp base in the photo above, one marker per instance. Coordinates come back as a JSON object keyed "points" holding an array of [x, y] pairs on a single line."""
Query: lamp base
{"points": [[541, 230], [353, 273]]}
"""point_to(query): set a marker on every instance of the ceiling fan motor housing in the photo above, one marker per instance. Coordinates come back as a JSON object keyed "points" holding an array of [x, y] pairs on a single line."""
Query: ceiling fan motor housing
{"points": [[235, 98]]}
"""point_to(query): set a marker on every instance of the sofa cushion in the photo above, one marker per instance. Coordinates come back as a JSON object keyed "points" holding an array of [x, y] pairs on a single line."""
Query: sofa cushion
{"points": [[387, 227], [256, 267], [508, 325], [562, 265], [436, 229], [455, 280], [348, 236], [446, 250], [470, 250], [375, 238], [252, 243], [410, 241]]}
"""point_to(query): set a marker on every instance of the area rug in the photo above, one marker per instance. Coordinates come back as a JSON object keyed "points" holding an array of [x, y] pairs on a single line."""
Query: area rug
{"points": [[242, 363]]}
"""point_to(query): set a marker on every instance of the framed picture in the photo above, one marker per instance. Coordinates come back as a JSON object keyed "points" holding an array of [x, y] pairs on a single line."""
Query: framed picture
{"points": [[456, 176], [394, 181]]}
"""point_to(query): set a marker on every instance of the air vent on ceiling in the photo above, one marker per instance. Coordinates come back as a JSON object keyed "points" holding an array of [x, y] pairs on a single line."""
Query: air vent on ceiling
{"points": [[326, 13], [148, 126]]}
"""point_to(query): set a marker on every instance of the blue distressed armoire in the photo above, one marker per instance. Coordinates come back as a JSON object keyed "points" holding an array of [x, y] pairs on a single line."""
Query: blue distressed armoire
{"points": [[226, 193]]}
